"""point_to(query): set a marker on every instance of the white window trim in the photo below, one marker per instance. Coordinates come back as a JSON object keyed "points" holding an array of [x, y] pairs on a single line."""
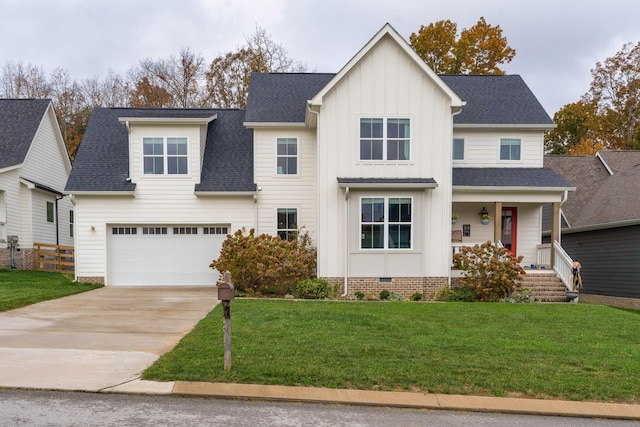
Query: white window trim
{"points": [[278, 229], [386, 223], [165, 157], [297, 156], [384, 159], [500, 149]]}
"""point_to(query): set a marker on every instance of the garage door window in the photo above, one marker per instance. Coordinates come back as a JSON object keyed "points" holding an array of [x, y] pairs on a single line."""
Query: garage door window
{"points": [[124, 230], [154, 230], [185, 230], [215, 230]]}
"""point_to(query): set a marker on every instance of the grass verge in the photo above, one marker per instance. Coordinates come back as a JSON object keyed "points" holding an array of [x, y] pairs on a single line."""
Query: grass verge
{"points": [[568, 351], [19, 288]]}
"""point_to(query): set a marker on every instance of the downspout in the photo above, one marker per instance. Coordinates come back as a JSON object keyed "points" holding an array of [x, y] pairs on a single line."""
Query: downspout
{"points": [[346, 242], [58, 221]]}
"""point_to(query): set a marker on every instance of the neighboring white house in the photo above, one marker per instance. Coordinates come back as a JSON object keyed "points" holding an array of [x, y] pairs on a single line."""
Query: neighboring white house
{"points": [[371, 161], [34, 167]]}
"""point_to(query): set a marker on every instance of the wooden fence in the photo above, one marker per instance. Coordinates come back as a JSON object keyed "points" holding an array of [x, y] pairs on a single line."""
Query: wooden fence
{"points": [[47, 257]]}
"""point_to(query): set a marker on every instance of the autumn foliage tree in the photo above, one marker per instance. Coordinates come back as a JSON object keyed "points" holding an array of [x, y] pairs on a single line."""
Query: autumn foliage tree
{"points": [[608, 115], [481, 49]]}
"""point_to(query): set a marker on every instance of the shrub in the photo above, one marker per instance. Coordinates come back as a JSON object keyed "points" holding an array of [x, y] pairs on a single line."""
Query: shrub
{"points": [[384, 294], [312, 289], [442, 293], [395, 297], [462, 294], [359, 295], [521, 296], [416, 296], [266, 265], [490, 271]]}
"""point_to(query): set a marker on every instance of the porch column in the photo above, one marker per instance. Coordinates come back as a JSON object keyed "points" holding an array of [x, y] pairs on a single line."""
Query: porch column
{"points": [[555, 229], [497, 223]]}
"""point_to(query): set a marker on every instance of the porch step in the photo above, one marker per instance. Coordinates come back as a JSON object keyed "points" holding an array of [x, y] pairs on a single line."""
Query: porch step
{"points": [[545, 287]]}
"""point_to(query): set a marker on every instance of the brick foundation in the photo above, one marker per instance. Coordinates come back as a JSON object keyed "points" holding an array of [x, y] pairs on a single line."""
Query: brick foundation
{"points": [[91, 279], [23, 258], [622, 302], [405, 286]]}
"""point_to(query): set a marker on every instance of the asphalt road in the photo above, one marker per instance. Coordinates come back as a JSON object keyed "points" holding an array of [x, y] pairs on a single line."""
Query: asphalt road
{"points": [[47, 408]]}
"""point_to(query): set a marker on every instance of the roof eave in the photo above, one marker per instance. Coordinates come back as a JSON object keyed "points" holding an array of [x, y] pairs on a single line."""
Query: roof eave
{"points": [[225, 193], [511, 188], [528, 126], [273, 124], [100, 193], [169, 120], [602, 226]]}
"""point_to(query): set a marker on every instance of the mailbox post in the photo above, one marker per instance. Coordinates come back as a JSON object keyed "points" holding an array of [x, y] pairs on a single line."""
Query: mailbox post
{"points": [[225, 294]]}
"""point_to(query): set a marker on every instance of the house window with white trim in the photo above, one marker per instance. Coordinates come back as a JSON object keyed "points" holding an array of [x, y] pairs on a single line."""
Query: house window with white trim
{"points": [[50, 214], [458, 148], [385, 139], [288, 223], [386, 222], [510, 149], [287, 162], [165, 156]]}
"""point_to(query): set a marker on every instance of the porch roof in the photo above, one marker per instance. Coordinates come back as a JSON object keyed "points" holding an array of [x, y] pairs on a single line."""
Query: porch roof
{"points": [[398, 183], [510, 178]]}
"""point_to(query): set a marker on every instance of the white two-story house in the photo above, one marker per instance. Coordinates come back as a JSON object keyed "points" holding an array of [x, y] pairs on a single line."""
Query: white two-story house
{"points": [[371, 161]]}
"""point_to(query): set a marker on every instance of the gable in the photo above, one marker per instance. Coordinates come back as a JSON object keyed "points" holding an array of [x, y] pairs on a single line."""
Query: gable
{"points": [[19, 121], [386, 37]]}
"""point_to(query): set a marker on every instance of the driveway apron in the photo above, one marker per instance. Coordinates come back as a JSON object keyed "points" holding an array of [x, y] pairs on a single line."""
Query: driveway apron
{"points": [[98, 339]]}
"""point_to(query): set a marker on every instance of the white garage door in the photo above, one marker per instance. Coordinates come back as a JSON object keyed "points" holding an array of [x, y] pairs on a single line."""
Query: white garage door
{"points": [[156, 255]]}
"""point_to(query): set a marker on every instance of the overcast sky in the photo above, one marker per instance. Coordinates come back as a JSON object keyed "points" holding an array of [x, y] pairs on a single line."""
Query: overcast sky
{"points": [[557, 42]]}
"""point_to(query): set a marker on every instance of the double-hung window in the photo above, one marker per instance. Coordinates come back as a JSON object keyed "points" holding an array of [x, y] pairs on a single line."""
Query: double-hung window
{"points": [[385, 222], [287, 163], [458, 148], [165, 156], [288, 223], [385, 139], [510, 149]]}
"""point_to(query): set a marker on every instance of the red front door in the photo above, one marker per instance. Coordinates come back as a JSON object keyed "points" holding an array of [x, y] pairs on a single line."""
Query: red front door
{"points": [[509, 227]]}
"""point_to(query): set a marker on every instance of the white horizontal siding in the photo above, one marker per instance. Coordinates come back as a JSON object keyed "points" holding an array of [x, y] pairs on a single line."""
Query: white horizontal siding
{"points": [[285, 191], [482, 148]]}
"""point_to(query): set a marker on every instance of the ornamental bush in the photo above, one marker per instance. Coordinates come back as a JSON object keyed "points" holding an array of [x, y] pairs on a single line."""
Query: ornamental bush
{"points": [[266, 265], [491, 272], [312, 289]]}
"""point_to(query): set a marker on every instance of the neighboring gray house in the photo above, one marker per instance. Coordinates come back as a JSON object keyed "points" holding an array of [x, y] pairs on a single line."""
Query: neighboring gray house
{"points": [[601, 220], [34, 167]]}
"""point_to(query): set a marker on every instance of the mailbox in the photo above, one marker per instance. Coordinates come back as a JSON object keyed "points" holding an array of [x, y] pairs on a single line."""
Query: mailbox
{"points": [[225, 291]]}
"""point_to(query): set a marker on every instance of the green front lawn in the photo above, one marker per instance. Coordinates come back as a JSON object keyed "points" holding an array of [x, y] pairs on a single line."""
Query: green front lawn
{"points": [[569, 351], [19, 288]]}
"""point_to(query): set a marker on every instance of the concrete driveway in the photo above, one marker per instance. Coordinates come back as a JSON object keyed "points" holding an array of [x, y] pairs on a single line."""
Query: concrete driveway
{"points": [[99, 339]]}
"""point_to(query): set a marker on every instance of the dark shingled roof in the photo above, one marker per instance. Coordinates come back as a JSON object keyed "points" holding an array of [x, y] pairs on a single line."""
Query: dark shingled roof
{"points": [[491, 99], [282, 97], [496, 99], [102, 161], [19, 120], [508, 177], [600, 198]]}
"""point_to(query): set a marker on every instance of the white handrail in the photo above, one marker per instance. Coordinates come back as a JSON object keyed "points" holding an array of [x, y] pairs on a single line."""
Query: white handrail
{"points": [[563, 265]]}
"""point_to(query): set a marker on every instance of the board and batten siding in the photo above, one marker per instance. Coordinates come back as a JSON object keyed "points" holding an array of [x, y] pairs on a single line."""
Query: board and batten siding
{"points": [[286, 191], [158, 206], [610, 260], [385, 83], [482, 148]]}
